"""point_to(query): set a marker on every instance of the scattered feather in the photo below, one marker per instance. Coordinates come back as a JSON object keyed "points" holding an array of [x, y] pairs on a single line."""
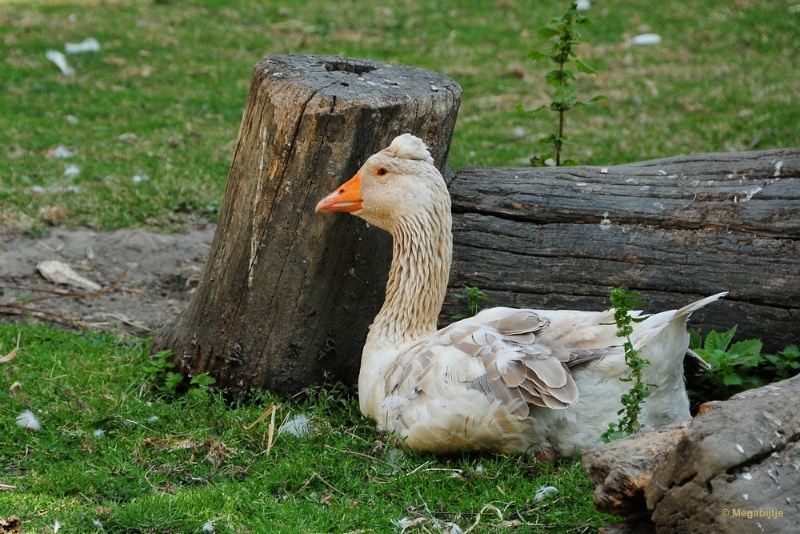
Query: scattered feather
{"points": [[99, 432], [61, 62], [88, 45], [61, 152], [450, 528], [72, 171], [646, 39], [56, 526], [583, 5], [544, 491], [208, 527], [28, 421], [97, 523], [152, 419], [298, 426], [406, 523]]}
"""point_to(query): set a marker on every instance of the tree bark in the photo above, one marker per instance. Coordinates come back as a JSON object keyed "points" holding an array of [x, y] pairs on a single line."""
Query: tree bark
{"points": [[286, 295], [673, 229]]}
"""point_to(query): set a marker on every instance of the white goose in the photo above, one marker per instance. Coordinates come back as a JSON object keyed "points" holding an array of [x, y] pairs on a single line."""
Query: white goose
{"points": [[507, 380]]}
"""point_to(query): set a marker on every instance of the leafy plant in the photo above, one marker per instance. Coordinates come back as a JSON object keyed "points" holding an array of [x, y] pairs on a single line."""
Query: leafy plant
{"points": [[566, 94], [169, 383], [156, 371], [736, 367], [785, 364], [200, 388], [474, 297], [623, 301]]}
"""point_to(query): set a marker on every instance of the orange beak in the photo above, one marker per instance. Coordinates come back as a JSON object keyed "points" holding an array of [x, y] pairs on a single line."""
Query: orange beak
{"points": [[346, 198]]}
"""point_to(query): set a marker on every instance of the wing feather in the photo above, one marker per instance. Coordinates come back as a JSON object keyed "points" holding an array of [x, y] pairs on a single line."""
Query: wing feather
{"points": [[517, 358]]}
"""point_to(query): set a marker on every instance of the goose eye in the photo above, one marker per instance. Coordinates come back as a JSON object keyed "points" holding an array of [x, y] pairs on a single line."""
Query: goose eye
{"points": [[381, 172]]}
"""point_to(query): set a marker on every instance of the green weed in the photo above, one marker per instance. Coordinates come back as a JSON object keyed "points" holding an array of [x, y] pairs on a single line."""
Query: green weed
{"points": [[567, 38], [736, 367], [622, 302], [474, 297]]}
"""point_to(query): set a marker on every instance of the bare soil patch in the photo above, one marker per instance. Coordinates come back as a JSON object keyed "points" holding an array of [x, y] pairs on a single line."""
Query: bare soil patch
{"points": [[155, 277]]}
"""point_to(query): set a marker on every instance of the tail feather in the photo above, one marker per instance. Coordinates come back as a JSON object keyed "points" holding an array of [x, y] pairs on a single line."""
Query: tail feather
{"points": [[654, 324], [687, 310]]}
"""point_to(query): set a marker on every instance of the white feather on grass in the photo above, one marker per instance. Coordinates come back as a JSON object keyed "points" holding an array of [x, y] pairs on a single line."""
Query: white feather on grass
{"points": [[298, 426], [28, 421], [544, 491]]}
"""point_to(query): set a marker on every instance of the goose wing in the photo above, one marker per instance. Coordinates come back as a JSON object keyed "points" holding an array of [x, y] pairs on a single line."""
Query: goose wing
{"points": [[518, 357]]}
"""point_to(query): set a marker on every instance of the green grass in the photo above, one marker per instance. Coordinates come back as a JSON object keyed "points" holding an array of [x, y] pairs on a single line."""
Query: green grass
{"points": [[164, 98], [175, 74], [101, 455]]}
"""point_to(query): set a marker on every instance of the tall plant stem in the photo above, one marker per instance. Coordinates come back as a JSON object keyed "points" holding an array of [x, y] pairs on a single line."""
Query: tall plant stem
{"points": [[560, 129]]}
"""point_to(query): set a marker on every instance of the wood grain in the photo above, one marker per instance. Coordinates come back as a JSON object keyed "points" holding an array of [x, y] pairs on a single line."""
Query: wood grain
{"points": [[674, 229]]}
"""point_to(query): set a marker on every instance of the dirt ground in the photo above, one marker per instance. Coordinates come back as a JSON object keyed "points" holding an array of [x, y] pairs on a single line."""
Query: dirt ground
{"points": [[162, 273]]}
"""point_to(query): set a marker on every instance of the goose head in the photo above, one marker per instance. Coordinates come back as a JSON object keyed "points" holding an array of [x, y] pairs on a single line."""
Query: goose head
{"points": [[398, 184]]}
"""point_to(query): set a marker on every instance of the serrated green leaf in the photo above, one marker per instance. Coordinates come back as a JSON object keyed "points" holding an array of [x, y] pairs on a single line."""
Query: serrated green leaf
{"points": [[732, 380], [566, 94], [591, 101], [716, 340], [203, 379], [533, 110], [792, 351], [537, 56], [583, 67], [547, 33], [748, 347]]}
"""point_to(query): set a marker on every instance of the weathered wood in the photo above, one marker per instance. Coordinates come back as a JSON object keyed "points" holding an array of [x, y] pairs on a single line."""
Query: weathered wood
{"points": [[735, 468], [738, 458], [287, 295], [622, 469], [674, 229]]}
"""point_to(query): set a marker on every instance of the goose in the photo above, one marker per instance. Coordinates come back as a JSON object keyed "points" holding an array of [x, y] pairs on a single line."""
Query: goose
{"points": [[544, 382]]}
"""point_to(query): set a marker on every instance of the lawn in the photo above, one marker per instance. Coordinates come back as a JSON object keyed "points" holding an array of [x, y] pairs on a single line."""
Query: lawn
{"points": [[112, 455], [151, 120]]}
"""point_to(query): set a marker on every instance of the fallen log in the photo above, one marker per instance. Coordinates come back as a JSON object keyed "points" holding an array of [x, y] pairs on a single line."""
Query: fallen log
{"points": [[673, 229]]}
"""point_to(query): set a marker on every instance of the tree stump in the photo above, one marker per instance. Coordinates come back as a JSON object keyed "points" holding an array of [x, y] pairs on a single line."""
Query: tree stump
{"points": [[287, 296], [674, 229]]}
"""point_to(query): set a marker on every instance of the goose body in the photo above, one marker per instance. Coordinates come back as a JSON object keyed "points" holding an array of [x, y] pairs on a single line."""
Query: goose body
{"points": [[506, 380]]}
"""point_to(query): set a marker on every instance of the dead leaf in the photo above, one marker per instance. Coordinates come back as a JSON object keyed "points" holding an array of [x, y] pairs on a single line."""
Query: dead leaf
{"points": [[10, 356], [12, 524], [326, 498], [61, 273]]}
